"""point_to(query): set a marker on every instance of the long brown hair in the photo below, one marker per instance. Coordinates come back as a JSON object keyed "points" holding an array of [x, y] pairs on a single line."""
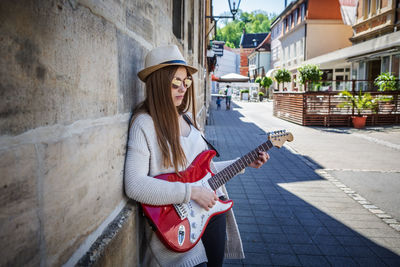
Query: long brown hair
{"points": [[160, 106]]}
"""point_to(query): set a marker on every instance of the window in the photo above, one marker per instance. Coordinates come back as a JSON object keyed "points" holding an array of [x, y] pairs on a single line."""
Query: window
{"points": [[295, 18], [190, 37], [385, 64], [284, 25], [367, 8], [378, 5], [301, 47], [177, 16], [396, 66], [361, 72], [200, 33], [294, 50], [354, 68], [289, 21], [303, 11]]}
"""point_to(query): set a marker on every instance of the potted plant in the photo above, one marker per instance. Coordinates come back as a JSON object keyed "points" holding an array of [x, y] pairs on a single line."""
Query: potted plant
{"points": [[386, 82], [266, 82], [359, 102], [261, 96], [244, 94], [309, 74], [282, 75]]}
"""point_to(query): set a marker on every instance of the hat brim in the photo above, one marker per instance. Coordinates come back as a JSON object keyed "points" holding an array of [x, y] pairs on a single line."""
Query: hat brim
{"points": [[143, 74]]}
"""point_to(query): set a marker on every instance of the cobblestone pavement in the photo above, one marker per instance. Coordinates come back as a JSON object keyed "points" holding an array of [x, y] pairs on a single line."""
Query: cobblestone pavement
{"points": [[293, 213]]}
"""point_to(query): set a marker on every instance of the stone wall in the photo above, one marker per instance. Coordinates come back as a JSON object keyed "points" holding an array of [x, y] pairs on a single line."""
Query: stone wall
{"points": [[68, 84]]}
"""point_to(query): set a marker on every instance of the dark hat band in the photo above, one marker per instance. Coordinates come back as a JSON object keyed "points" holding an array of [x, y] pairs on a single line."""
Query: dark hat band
{"points": [[174, 62]]}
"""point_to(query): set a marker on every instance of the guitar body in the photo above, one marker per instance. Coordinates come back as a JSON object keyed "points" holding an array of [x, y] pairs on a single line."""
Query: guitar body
{"points": [[180, 227]]}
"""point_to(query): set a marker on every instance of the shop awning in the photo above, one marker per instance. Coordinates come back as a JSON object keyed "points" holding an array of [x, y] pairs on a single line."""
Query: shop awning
{"points": [[270, 73], [366, 49]]}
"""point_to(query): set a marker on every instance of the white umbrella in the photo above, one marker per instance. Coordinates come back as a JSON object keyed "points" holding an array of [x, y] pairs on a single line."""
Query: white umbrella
{"points": [[233, 77]]}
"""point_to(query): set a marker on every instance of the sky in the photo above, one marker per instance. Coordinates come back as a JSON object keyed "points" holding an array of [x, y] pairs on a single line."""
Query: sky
{"points": [[270, 6]]}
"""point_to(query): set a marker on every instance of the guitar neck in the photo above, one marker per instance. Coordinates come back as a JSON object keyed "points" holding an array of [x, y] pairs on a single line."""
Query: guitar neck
{"points": [[229, 172]]}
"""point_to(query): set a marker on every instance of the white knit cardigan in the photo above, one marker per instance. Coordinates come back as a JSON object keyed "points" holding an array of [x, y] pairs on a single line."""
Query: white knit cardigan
{"points": [[143, 162]]}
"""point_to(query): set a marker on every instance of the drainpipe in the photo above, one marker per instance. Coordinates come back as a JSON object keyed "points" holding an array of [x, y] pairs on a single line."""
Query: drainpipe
{"points": [[305, 40]]}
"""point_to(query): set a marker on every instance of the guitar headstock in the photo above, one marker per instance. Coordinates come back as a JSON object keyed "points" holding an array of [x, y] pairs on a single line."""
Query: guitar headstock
{"points": [[278, 138]]}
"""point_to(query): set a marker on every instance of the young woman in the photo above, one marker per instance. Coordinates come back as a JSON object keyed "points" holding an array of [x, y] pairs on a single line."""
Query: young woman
{"points": [[161, 141]]}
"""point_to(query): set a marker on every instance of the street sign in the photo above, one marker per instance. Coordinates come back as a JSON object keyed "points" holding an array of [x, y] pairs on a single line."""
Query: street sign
{"points": [[218, 48]]}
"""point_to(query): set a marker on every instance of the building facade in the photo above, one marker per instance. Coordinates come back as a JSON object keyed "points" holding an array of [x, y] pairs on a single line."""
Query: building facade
{"points": [[304, 30], [68, 85], [375, 19], [376, 45], [228, 63], [248, 42], [276, 46], [260, 59]]}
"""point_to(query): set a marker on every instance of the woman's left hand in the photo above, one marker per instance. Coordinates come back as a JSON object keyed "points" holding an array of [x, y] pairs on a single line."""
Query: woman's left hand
{"points": [[263, 157]]}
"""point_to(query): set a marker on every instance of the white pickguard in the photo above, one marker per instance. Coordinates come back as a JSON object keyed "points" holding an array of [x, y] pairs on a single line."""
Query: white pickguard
{"points": [[198, 216]]}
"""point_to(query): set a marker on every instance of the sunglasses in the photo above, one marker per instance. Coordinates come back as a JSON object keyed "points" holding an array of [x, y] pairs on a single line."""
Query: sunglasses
{"points": [[177, 83]]}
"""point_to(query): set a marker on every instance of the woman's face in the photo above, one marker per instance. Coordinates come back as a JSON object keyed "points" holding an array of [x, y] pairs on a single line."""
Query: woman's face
{"points": [[179, 85]]}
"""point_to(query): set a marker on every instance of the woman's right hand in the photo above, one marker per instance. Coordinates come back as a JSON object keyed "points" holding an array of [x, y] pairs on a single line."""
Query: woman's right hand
{"points": [[204, 197]]}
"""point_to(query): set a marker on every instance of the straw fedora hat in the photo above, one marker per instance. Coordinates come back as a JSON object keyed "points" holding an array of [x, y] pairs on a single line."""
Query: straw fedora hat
{"points": [[161, 57]]}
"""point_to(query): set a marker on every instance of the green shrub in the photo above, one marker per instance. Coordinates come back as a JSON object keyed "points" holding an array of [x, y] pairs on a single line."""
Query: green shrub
{"points": [[386, 82], [309, 74], [282, 75], [266, 82]]}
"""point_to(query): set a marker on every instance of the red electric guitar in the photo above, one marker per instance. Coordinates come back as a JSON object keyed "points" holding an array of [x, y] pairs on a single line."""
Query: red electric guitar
{"points": [[180, 226]]}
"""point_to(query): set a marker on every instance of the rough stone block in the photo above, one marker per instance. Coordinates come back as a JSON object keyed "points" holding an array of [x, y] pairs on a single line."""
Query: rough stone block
{"points": [[130, 57], [118, 244], [82, 184], [58, 65], [19, 222]]}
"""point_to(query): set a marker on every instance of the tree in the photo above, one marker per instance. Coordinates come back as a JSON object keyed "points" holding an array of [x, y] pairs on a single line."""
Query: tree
{"points": [[282, 76], [309, 74], [254, 22], [266, 82]]}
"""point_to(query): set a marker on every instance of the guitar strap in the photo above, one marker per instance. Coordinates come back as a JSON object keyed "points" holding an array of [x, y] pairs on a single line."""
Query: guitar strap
{"points": [[189, 121]]}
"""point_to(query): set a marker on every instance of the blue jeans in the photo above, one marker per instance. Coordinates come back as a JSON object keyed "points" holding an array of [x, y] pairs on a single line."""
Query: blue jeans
{"points": [[228, 101]]}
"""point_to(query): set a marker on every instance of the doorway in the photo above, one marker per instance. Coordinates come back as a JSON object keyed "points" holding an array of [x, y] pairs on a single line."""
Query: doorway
{"points": [[373, 69]]}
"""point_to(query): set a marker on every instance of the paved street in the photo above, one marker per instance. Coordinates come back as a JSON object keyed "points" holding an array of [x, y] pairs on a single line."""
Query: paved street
{"points": [[305, 207]]}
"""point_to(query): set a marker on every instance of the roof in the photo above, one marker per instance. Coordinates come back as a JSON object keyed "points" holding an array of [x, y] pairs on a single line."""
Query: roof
{"points": [[265, 44], [246, 40]]}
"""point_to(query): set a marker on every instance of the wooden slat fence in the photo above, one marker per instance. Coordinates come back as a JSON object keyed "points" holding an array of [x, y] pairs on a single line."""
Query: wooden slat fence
{"points": [[321, 109]]}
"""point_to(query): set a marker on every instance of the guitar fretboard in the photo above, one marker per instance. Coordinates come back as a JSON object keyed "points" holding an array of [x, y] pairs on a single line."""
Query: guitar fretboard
{"points": [[229, 172]]}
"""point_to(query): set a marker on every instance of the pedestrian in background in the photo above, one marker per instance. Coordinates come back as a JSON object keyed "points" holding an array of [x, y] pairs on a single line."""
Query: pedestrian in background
{"points": [[219, 100], [161, 140], [228, 97]]}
